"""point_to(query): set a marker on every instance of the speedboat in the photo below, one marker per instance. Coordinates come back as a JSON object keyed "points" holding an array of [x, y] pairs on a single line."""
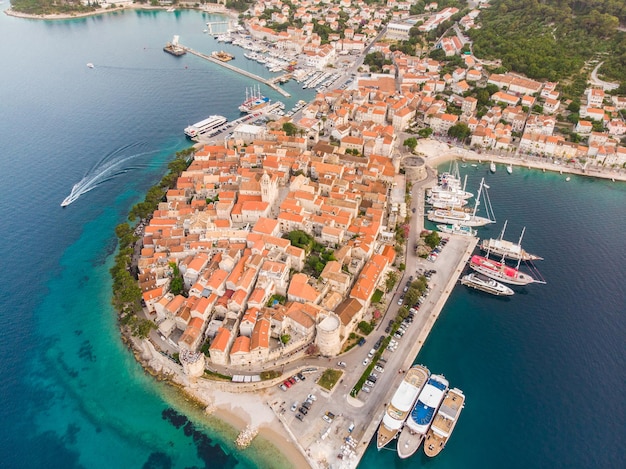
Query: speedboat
{"points": [[89, 65]]}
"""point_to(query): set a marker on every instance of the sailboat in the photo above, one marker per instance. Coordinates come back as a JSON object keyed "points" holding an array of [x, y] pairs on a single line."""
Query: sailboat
{"points": [[508, 249], [462, 217], [502, 272]]}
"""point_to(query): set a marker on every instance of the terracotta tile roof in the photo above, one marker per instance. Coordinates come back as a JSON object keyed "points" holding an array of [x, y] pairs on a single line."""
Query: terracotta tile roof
{"points": [[220, 342]]}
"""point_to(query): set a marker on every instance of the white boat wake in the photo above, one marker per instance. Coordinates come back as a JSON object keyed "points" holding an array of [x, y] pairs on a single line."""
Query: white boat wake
{"points": [[109, 167]]}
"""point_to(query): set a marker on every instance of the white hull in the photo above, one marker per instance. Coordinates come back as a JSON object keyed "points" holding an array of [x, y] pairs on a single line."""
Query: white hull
{"points": [[499, 271], [461, 218], [507, 249], [401, 404], [486, 284], [457, 229], [428, 403]]}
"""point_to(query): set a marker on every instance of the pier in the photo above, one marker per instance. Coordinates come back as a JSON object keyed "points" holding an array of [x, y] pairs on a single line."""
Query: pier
{"points": [[268, 82]]}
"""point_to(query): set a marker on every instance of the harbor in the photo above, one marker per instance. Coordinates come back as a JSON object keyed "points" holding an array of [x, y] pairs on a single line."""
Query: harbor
{"points": [[269, 82], [322, 441]]}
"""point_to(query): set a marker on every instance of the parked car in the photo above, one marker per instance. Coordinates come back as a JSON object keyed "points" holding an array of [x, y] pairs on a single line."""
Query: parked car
{"points": [[303, 410], [299, 417], [282, 386], [362, 341], [292, 380], [294, 406], [312, 397], [301, 376], [307, 405], [287, 383], [379, 368], [341, 364], [366, 361], [365, 389]]}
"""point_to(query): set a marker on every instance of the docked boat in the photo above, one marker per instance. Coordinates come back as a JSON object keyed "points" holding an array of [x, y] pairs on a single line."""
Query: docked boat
{"points": [[444, 423], [457, 229], [445, 200], [422, 416], [483, 283], [254, 101], [509, 168], [492, 167], [500, 271], [204, 126], [462, 217], [508, 249], [401, 404], [223, 56]]}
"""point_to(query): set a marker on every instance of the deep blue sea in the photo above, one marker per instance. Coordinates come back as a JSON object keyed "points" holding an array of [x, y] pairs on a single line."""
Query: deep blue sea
{"points": [[543, 372]]}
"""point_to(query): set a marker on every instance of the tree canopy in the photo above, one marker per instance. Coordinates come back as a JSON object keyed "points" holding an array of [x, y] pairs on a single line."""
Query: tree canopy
{"points": [[552, 39]]}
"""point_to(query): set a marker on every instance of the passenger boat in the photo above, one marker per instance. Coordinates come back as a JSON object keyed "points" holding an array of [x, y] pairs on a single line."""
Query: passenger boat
{"points": [[422, 416], [457, 230], [401, 404], [206, 125], [444, 423], [483, 283], [508, 249], [462, 217], [500, 271]]}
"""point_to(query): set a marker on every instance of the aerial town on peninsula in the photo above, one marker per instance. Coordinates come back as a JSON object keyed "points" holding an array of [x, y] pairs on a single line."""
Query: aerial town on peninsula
{"points": [[282, 244]]}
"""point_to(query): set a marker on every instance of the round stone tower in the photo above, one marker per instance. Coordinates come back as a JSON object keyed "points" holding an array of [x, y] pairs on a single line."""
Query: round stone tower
{"points": [[328, 337]]}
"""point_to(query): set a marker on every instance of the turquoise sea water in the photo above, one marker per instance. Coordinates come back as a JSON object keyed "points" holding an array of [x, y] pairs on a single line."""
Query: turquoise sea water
{"points": [[543, 372]]}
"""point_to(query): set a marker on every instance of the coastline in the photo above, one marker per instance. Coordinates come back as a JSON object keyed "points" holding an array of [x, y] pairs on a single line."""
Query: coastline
{"points": [[437, 152], [251, 412], [207, 8]]}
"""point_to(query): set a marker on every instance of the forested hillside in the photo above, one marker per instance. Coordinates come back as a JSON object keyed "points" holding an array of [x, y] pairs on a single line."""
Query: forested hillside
{"points": [[553, 39], [47, 7]]}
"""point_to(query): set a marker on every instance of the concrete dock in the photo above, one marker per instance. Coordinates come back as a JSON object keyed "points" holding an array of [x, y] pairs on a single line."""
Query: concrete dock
{"points": [[343, 442], [269, 82]]}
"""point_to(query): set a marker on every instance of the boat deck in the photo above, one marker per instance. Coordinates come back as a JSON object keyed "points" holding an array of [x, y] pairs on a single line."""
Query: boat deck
{"points": [[417, 376], [444, 422]]}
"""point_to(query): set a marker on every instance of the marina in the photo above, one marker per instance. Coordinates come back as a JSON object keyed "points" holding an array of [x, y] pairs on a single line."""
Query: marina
{"points": [[232, 68], [580, 346]]}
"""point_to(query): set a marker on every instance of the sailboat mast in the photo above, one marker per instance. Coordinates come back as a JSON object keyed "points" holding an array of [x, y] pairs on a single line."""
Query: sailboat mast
{"points": [[503, 229], [480, 188], [519, 243]]}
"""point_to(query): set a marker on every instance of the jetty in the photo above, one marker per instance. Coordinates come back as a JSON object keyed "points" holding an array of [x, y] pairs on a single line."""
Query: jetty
{"points": [[269, 82]]}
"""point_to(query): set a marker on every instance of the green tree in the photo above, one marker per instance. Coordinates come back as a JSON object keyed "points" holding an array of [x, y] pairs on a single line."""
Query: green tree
{"points": [[425, 132], [391, 280], [411, 143], [432, 239], [460, 131], [285, 338], [290, 129]]}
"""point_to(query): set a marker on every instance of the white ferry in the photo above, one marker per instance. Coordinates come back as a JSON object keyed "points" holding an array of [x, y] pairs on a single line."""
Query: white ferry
{"points": [[206, 125]]}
